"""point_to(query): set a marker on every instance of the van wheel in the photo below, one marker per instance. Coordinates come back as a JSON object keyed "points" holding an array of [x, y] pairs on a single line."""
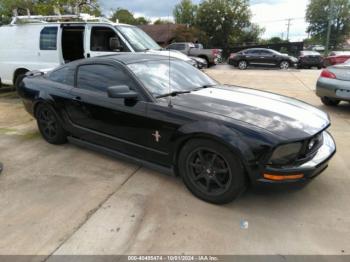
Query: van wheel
{"points": [[50, 126], [211, 171]]}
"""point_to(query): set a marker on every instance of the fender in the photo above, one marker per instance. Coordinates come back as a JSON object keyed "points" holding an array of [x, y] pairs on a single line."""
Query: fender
{"points": [[215, 131]]}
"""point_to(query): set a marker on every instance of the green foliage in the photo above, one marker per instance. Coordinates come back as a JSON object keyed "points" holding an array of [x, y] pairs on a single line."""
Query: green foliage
{"points": [[249, 35], [190, 34], [142, 21], [273, 40], [123, 16], [223, 20], [317, 14], [162, 22], [126, 17], [185, 12]]}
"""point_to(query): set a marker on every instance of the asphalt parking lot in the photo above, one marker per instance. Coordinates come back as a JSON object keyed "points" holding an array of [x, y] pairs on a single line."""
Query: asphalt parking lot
{"points": [[68, 200]]}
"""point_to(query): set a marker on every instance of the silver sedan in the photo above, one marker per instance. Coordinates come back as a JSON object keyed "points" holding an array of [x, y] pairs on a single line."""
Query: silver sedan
{"points": [[333, 84]]}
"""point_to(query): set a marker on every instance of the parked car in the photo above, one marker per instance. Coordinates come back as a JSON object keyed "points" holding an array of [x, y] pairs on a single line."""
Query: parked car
{"points": [[318, 48], [333, 84], [168, 114], [38, 42], [261, 56], [336, 57], [213, 56], [308, 59], [201, 62]]}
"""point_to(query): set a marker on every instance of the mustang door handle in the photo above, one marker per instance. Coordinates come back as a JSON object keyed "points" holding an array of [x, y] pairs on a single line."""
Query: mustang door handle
{"points": [[77, 98]]}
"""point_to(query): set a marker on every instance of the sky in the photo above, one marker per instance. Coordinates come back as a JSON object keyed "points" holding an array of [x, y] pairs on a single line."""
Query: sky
{"points": [[270, 14]]}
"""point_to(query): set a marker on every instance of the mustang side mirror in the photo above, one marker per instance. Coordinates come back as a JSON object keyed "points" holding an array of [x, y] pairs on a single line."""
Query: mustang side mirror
{"points": [[114, 44], [121, 91]]}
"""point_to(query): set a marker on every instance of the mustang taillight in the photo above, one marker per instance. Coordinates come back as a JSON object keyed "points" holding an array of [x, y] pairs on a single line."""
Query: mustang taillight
{"points": [[327, 74]]}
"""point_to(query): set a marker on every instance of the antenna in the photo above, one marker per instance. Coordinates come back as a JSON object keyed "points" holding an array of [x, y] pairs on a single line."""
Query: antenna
{"points": [[169, 102]]}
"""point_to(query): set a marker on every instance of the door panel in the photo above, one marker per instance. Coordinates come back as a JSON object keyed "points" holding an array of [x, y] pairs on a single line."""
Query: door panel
{"points": [[115, 123], [97, 41]]}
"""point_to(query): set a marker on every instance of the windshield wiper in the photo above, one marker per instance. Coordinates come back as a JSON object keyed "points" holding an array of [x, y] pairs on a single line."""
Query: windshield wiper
{"points": [[203, 87], [174, 93]]}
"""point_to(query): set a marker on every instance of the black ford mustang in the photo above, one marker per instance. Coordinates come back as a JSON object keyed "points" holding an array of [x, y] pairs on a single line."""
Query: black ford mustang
{"points": [[217, 138]]}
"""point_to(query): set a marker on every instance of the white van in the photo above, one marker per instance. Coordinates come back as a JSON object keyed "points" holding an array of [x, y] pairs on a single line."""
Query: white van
{"points": [[32, 43]]}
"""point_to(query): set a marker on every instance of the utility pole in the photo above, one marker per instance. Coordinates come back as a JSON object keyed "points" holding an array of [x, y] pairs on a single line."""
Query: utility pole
{"points": [[289, 20], [329, 28]]}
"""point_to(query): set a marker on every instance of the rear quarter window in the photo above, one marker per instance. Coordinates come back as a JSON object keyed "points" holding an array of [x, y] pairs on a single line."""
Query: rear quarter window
{"points": [[63, 75], [48, 38]]}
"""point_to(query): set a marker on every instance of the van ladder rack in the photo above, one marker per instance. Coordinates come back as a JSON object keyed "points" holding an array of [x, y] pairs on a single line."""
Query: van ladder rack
{"points": [[27, 19]]}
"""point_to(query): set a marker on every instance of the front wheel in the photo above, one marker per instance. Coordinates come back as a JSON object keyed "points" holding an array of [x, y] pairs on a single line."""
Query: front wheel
{"points": [[211, 171], [242, 65], [49, 125], [284, 65]]}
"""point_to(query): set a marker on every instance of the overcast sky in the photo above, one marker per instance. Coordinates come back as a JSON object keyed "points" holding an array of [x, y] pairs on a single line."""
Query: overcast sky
{"points": [[271, 14]]}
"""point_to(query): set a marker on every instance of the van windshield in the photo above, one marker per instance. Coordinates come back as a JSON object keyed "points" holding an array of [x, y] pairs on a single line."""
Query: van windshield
{"points": [[138, 39]]}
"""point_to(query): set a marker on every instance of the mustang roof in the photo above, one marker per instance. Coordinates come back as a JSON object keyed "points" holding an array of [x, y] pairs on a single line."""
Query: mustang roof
{"points": [[132, 58]]}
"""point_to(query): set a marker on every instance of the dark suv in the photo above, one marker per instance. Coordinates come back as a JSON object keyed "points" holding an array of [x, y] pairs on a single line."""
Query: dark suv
{"points": [[261, 56]]}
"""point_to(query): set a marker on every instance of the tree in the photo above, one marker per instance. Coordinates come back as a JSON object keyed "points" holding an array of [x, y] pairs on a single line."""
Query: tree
{"points": [[185, 12], [222, 20], [124, 16], [317, 15], [162, 22], [249, 35], [189, 34], [142, 21]]}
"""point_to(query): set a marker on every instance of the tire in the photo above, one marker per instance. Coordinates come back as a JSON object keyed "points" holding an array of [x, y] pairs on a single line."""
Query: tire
{"points": [[242, 65], [211, 171], [284, 65], [49, 125], [19, 80], [330, 101]]}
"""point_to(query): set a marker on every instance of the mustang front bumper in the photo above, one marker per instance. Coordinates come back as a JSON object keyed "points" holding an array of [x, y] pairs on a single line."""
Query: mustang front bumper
{"points": [[305, 171]]}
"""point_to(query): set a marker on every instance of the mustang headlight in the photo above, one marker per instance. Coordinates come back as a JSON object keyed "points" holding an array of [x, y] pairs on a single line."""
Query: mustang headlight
{"points": [[285, 154]]}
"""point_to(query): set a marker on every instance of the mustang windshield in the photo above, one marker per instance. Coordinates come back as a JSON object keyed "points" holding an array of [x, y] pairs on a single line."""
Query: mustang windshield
{"points": [[138, 39], [156, 76]]}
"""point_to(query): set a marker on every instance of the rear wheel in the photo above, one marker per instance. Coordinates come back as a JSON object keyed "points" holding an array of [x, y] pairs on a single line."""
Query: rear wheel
{"points": [[49, 125], [211, 171], [330, 101], [242, 65]]}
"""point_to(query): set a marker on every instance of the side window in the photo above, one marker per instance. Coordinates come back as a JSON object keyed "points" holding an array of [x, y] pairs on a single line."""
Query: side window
{"points": [[177, 47], [98, 78], [63, 75], [100, 40], [265, 52], [48, 38]]}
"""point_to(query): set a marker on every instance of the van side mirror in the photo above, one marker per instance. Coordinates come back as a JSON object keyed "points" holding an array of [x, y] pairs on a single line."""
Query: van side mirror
{"points": [[122, 91], [114, 44]]}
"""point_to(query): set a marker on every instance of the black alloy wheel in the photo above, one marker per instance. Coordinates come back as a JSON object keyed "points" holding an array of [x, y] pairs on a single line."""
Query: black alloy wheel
{"points": [[211, 171], [49, 125]]}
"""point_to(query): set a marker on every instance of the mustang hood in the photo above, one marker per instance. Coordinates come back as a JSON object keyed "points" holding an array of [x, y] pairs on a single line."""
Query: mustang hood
{"points": [[283, 116]]}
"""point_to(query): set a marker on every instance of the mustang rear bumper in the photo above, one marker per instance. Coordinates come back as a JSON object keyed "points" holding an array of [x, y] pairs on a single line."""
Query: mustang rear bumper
{"points": [[306, 171]]}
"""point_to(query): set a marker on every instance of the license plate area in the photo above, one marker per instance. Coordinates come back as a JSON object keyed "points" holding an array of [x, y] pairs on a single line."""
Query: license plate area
{"points": [[343, 93]]}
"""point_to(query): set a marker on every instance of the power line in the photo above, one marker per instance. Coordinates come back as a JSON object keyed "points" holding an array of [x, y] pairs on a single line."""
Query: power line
{"points": [[280, 20]]}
